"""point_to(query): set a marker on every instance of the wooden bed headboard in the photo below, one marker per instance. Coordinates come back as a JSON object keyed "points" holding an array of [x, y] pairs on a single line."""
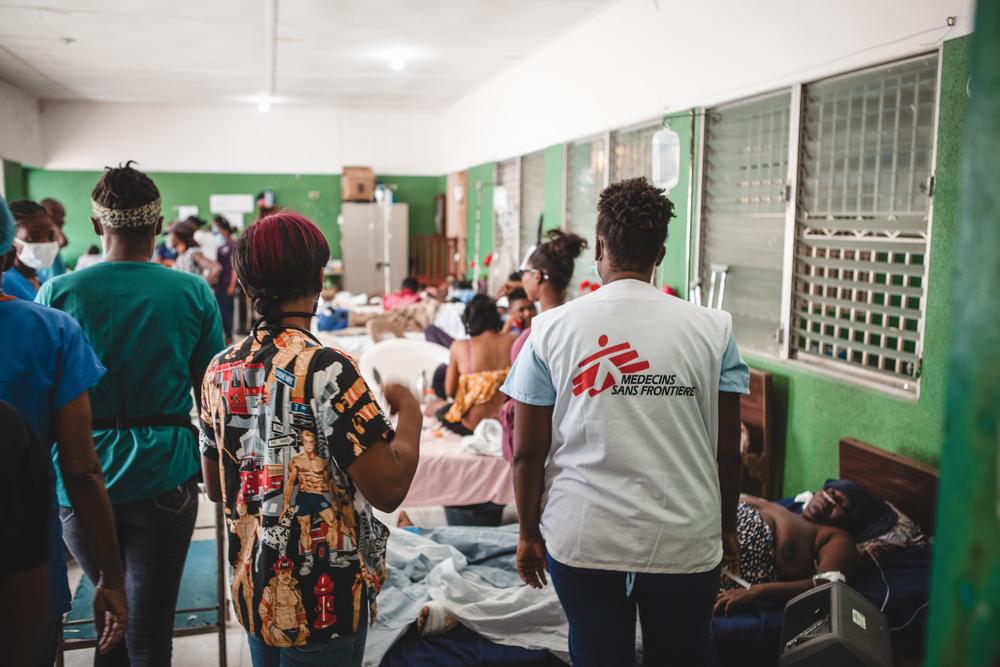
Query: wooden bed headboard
{"points": [[756, 413], [910, 486]]}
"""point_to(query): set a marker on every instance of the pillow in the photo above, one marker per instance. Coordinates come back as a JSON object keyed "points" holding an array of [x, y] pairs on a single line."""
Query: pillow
{"points": [[905, 534]]}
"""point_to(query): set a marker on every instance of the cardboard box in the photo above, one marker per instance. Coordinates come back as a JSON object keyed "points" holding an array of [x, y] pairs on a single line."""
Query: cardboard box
{"points": [[357, 184]]}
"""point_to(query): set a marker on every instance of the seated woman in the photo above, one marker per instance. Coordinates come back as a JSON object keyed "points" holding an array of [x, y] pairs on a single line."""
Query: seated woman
{"points": [[190, 258], [477, 368], [780, 552]]}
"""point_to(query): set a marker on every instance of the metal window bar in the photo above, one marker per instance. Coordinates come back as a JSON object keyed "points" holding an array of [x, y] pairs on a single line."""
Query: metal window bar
{"points": [[862, 220], [586, 176], [632, 152], [532, 199]]}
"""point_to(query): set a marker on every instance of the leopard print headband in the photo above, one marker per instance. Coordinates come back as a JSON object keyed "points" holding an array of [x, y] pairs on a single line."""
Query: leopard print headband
{"points": [[141, 216]]}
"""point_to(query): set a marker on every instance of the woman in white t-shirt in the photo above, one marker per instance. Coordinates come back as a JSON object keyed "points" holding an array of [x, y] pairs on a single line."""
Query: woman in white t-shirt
{"points": [[626, 449]]}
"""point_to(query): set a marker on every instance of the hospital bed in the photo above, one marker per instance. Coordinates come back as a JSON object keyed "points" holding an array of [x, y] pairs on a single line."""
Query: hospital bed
{"points": [[899, 580]]}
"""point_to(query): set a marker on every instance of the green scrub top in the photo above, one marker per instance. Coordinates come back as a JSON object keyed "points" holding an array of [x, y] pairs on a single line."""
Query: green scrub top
{"points": [[152, 328]]}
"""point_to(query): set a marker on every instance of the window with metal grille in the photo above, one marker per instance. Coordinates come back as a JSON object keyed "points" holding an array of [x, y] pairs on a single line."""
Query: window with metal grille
{"points": [[586, 176], [866, 161], [743, 213], [507, 212], [632, 152], [532, 199]]}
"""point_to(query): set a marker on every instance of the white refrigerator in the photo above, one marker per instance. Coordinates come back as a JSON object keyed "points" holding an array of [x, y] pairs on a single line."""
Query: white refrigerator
{"points": [[374, 244]]}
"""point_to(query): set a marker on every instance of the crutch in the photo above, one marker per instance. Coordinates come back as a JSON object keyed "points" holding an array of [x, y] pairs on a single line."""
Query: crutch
{"points": [[695, 294], [719, 273]]}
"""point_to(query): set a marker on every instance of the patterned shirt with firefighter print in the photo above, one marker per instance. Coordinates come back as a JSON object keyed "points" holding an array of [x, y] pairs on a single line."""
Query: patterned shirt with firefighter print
{"points": [[285, 417]]}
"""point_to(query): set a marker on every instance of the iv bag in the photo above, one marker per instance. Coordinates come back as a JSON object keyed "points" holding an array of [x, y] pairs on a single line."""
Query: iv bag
{"points": [[666, 159]]}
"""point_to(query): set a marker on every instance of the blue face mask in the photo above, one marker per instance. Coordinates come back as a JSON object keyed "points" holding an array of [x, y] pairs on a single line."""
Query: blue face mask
{"points": [[596, 272]]}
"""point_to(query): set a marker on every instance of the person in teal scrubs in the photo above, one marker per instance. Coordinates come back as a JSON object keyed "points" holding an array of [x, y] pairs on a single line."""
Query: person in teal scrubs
{"points": [[155, 331]]}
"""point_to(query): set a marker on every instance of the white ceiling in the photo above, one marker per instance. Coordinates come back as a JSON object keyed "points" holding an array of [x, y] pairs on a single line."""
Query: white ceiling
{"points": [[328, 51]]}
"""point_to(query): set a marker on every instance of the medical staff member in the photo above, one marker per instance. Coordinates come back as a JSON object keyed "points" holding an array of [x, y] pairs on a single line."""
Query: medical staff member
{"points": [[155, 330], [626, 461], [47, 369]]}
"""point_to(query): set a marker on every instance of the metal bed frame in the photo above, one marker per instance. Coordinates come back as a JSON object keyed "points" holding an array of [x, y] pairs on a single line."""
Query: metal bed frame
{"points": [[220, 607]]}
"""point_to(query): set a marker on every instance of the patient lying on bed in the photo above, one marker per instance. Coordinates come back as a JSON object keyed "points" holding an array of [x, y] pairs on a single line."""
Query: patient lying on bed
{"points": [[780, 552]]}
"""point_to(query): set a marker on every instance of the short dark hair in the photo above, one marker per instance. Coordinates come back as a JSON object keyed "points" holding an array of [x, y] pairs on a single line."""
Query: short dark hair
{"points": [[223, 224], [278, 258], [50, 205], [123, 187], [25, 209], [632, 218], [481, 315], [556, 256], [196, 221], [185, 232], [516, 294], [411, 284]]}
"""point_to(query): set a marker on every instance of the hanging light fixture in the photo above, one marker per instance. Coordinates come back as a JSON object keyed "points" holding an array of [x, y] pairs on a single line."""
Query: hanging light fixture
{"points": [[270, 54]]}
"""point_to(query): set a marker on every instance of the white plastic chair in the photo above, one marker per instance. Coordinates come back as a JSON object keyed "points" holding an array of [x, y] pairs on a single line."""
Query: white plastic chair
{"points": [[408, 362]]}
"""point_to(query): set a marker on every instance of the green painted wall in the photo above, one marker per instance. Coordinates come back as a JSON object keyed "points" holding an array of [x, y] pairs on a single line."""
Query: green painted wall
{"points": [[555, 185], [814, 411], [419, 192], [479, 210], [13, 181], [73, 188], [965, 614]]}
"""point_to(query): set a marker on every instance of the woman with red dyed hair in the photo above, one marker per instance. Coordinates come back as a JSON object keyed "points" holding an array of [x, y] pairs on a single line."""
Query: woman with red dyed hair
{"points": [[296, 447]]}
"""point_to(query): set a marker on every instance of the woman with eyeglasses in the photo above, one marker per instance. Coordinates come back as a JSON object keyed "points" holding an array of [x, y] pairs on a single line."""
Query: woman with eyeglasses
{"points": [[545, 280]]}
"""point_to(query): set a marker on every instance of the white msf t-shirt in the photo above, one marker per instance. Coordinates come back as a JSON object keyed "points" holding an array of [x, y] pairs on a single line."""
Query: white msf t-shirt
{"points": [[633, 375]]}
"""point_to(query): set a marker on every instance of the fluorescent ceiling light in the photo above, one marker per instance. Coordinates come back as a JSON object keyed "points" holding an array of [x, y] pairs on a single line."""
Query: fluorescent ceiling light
{"points": [[397, 64]]}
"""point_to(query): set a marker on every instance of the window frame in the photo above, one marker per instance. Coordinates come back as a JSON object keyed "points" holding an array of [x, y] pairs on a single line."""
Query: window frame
{"points": [[697, 255], [848, 372], [646, 124], [522, 247], [602, 136]]}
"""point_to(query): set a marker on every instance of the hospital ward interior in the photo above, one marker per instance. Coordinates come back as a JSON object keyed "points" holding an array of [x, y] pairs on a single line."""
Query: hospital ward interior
{"points": [[463, 333]]}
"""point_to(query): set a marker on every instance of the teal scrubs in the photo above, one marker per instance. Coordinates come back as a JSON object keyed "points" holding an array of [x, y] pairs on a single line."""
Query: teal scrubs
{"points": [[152, 328]]}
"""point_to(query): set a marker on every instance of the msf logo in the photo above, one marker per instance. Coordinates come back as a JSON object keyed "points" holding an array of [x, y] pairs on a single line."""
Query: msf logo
{"points": [[600, 369]]}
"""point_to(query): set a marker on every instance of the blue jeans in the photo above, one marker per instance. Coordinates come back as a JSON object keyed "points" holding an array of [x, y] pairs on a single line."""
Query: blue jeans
{"points": [[346, 651], [153, 535], [675, 611]]}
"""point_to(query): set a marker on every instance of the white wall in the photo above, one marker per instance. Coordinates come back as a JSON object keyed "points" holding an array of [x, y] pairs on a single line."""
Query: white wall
{"points": [[20, 130], [632, 62], [641, 58], [85, 135]]}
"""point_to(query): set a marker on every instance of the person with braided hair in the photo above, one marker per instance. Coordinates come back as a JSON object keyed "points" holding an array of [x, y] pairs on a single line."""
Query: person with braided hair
{"points": [[155, 331], [545, 279], [278, 405], [627, 449]]}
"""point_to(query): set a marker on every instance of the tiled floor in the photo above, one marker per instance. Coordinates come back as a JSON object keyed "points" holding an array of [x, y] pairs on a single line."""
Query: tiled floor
{"points": [[203, 650]]}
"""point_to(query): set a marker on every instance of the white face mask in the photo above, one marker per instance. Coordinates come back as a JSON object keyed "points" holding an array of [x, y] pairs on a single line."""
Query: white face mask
{"points": [[37, 255]]}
